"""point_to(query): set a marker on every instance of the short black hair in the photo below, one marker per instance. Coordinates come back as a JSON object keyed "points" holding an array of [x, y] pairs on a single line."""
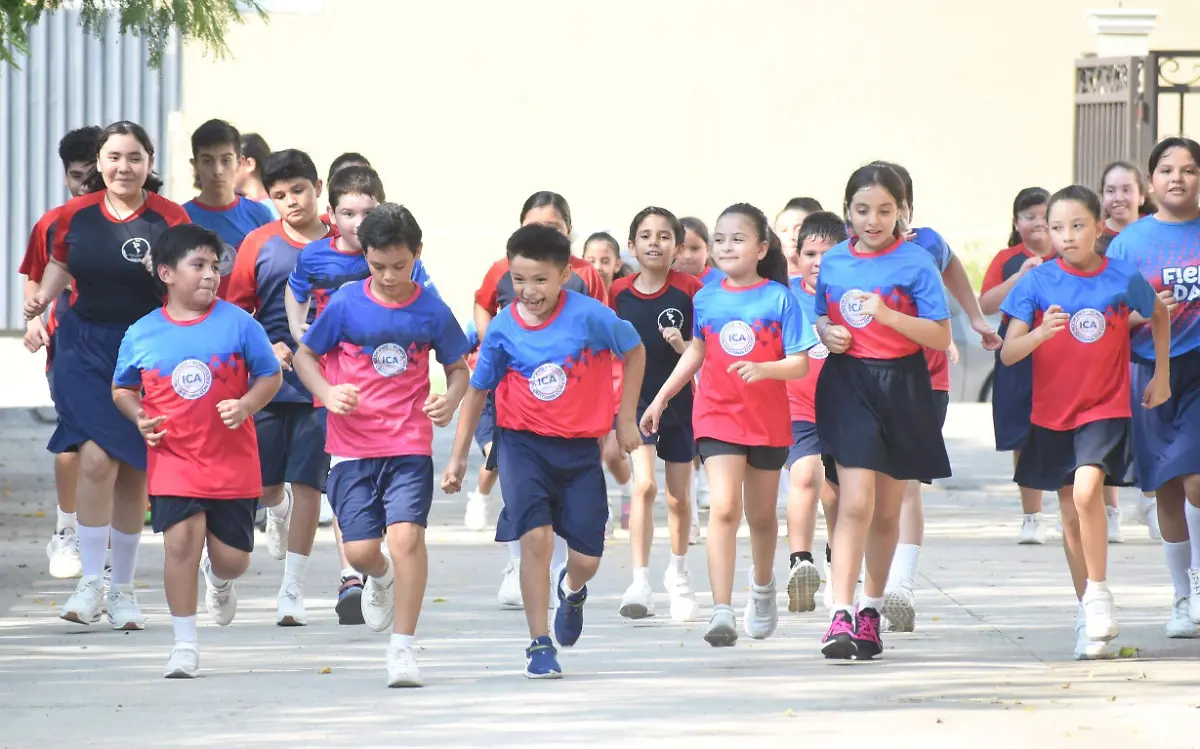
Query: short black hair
{"points": [[355, 180], [904, 176], [543, 244], [254, 146], [822, 225], [216, 133], [177, 242], [347, 159], [808, 205], [79, 145], [287, 165], [389, 225]]}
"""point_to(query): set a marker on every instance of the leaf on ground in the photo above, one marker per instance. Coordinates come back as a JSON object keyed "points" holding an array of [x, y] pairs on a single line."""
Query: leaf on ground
{"points": [[1113, 698], [789, 713], [1029, 708], [326, 670], [439, 600], [1128, 652], [37, 600], [143, 585], [939, 721], [1066, 686], [937, 619]]}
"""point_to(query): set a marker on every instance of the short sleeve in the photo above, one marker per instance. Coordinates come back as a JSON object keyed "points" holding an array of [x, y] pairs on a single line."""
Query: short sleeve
{"points": [[607, 331], [1021, 302], [935, 244], [1118, 248], [798, 334], [1140, 295], [298, 282], [451, 344], [994, 276], [493, 360], [256, 348], [697, 318], [487, 294], [929, 293], [128, 372], [326, 331], [820, 308]]}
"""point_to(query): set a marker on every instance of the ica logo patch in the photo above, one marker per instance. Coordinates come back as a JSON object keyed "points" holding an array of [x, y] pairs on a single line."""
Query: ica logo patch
{"points": [[1087, 325], [191, 379], [548, 382], [737, 338], [1183, 282], [228, 257], [670, 318], [389, 359], [851, 307], [135, 249], [819, 351]]}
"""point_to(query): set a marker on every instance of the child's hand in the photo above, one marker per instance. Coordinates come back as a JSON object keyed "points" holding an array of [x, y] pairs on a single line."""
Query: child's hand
{"points": [[439, 409], [36, 305], [341, 399], [1029, 264], [836, 338], [673, 337], [991, 339], [452, 477], [952, 353], [149, 428], [1052, 322], [284, 355], [872, 304], [233, 412], [1168, 298], [749, 371], [1158, 392], [36, 335], [651, 416], [628, 436]]}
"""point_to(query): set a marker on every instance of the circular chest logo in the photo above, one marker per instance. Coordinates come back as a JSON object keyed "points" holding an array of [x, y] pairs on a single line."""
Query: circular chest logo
{"points": [[1087, 325], [191, 379], [135, 250], [228, 258], [548, 382], [851, 306], [737, 338], [819, 351], [389, 359], [670, 318]]}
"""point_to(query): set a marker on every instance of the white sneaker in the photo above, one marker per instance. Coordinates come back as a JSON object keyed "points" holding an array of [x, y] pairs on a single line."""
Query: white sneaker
{"points": [[610, 525], [638, 601], [277, 528], [722, 628], [378, 607], [63, 552], [1180, 625], [476, 516], [123, 610], [762, 612], [1087, 649], [694, 538], [184, 661], [555, 573], [827, 593], [402, 668], [900, 609], [1194, 598], [1098, 611], [509, 595], [683, 599], [220, 602], [1032, 532], [803, 583], [1115, 536], [326, 516], [85, 604], [289, 606], [1147, 515]]}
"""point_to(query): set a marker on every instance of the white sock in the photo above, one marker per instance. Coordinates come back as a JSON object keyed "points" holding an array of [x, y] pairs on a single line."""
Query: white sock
{"points": [[480, 491], [65, 520], [124, 556], [1192, 514], [560, 553], [280, 510], [1092, 585], [641, 574], [185, 628], [695, 496], [679, 565], [1179, 557], [214, 580], [350, 572], [514, 551], [294, 566], [904, 566], [847, 607], [385, 580], [93, 549], [1080, 613], [870, 603], [401, 641]]}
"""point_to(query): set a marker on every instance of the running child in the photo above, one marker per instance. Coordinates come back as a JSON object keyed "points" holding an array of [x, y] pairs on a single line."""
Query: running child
{"points": [[658, 301], [787, 227], [377, 336], [1072, 315], [748, 337], [548, 358], [191, 376], [604, 254]]}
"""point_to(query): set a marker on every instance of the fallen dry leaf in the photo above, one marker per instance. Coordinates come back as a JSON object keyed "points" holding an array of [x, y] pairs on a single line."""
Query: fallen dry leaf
{"points": [[439, 600], [326, 670], [789, 713]]}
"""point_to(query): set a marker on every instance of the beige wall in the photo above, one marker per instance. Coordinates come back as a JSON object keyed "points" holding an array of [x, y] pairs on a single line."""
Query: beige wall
{"points": [[467, 107]]}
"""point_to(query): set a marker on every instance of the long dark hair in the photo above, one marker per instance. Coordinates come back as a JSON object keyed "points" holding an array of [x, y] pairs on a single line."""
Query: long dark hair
{"points": [[1029, 197], [773, 265], [95, 180], [548, 198]]}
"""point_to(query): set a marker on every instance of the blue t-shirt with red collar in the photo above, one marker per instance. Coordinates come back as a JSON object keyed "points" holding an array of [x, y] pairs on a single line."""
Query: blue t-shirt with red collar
{"points": [[711, 275], [185, 369], [323, 267], [759, 323], [231, 223], [1081, 375], [555, 378], [905, 278]]}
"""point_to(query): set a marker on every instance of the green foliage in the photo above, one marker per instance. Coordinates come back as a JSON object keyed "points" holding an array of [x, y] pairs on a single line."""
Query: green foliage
{"points": [[152, 21]]}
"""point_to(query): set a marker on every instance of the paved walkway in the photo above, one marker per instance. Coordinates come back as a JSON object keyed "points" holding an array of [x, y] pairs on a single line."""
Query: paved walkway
{"points": [[990, 663]]}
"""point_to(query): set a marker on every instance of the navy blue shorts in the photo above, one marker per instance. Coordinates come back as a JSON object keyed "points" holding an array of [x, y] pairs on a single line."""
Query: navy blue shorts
{"points": [[1012, 403], [1052, 456], [674, 443], [1166, 440], [85, 358], [805, 442], [485, 431], [231, 521], [291, 444], [369, 494], [758, 457], [552, 481], [489, 406]]}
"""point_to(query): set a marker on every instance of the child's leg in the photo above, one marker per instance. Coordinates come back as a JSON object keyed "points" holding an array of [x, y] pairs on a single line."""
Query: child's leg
{"points": [[679, 506], [856, 508], [805, 481], [883, 533], [537, 546], [63, 548], [66, 480], [725, 476], [1072, 543], [641, 513], [1031, 499], [306, 511], [622, 472], [761, 491], [183, 543], [410, 560], [129, 518], [1176, 536], [1088, 496]]}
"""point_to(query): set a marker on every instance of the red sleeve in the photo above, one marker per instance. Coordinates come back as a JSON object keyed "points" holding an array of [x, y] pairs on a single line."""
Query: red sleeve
{"points": [[172, 212], [618, 285], [685, 282], [37, 252], [243, 279], [995, 272], [62, 223], [591, 279], [486, 295]]}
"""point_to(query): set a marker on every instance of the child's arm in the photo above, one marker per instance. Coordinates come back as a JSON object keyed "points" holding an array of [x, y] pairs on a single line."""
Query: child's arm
{"points": [[468, 418], [959, 286], [35, 330], [790, 367], [483, 318], [338, 399], [128, 401], [934, 334], [687, 367], [54, 280], [297, 314], [1158, 391], [1021, 341], [631, 387], [235, 411], [990, 300], [440, 407], [836, 338]]}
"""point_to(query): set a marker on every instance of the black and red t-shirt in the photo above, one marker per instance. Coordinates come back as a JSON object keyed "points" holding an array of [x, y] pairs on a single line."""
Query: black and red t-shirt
{"points": [[497, 291]]}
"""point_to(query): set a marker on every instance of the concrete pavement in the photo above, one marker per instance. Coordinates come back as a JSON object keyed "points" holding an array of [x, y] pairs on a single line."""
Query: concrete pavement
{"points": [[990, 663]]}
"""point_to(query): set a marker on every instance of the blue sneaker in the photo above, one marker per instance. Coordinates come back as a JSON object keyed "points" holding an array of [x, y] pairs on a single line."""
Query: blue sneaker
{"points": [[568, 620], [541, 661], [349, 602]]}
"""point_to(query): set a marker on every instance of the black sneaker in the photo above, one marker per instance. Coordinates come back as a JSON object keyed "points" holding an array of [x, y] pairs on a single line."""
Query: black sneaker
{"points": [[349, 602], [867, 640]]}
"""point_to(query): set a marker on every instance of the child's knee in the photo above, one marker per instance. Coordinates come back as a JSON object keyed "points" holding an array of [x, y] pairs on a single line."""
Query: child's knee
{"points": [[405, 538], [228, 563], [645, 489], [538, 541]]}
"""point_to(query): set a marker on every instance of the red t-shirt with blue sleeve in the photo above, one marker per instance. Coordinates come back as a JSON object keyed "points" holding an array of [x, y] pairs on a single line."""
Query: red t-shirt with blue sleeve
{"points": [[802, 393], [185, 369], [1081, 375], [555, 378], [903, 275], [383, 348], [759, 323]]}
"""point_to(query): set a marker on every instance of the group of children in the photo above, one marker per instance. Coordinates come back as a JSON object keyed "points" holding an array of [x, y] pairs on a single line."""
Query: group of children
{"points": [[243, 350]]}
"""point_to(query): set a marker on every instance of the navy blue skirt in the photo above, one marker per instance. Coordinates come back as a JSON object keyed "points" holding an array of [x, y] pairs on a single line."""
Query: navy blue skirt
{"points": [[1053, 456], [1012, 403], [85, 359], [1166, 440]]}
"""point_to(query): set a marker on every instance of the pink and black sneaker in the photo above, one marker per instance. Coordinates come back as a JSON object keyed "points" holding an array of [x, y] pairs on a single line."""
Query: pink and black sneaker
{"points": [[839, 640], [866, 635]]}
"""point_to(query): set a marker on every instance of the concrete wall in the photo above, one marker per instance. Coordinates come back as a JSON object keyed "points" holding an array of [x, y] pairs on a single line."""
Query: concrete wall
{"points": [[467, 107]]}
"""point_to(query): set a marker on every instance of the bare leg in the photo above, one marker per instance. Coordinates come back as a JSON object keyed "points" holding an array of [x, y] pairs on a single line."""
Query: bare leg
{"points": [[761, 498], [306, 511], [537, 546], [66, 480], [804, 488], [1072, 542], [856, 508], [410, 564], [182, 545], [725, 476], [679, 506], [1088, 496], [882, 534]]}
